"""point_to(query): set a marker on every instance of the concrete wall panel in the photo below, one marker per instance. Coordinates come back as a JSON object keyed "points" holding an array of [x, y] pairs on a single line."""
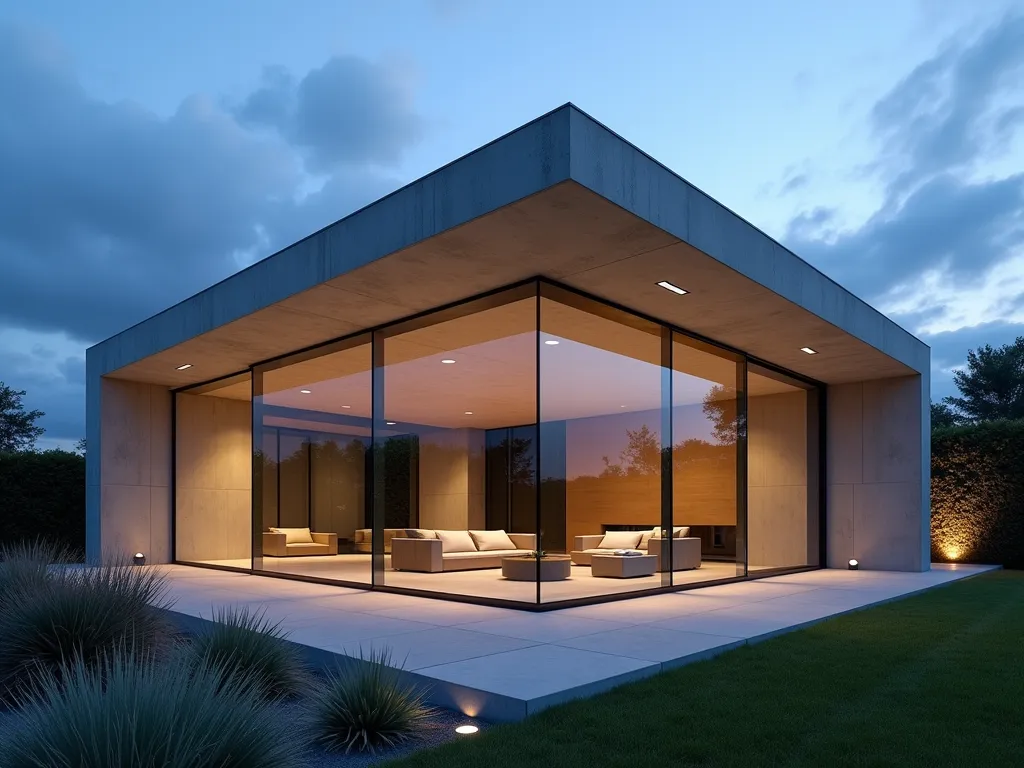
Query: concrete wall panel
{"points": [[878, 473]]}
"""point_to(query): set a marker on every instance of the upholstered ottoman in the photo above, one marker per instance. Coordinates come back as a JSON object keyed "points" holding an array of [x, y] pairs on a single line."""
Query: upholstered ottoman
{"points": [[623, 566]]}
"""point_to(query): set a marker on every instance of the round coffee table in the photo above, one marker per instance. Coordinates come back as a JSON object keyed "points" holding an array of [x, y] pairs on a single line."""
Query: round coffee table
{"points": [[524, 568]]}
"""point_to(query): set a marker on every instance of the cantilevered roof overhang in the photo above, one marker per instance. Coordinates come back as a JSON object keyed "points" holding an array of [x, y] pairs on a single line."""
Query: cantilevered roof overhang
{"points": [[562, 197]]}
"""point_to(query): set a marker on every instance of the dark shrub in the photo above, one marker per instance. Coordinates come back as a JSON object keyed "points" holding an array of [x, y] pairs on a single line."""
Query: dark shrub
{"points": [[29, 565], [365, 706], [978, 493], [80, 613], [245, 644], [132, 711], [43, 496]]}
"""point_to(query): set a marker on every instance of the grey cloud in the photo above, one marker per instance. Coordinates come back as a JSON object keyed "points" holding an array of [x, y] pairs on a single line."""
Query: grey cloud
{"points": [[58, 396], [965, 228], [794, 183], [110, 213], [955, 105], [348, 112], [949, 113]]}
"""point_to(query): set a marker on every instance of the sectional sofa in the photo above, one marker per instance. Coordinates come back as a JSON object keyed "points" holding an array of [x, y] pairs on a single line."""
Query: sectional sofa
{"points": [[685, 548], [428, 551], [296, 542]]}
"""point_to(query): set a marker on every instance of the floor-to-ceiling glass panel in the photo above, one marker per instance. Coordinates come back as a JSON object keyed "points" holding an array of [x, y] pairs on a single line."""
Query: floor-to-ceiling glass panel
{"points": [[782, 472], [454, 449], [707, 462], [313, 426], [601, 390], [212, 474]]}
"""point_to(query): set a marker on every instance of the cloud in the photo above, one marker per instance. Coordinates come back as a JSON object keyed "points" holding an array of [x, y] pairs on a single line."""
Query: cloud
{"points": [[110, 213], [348, 112], [945, 249]]}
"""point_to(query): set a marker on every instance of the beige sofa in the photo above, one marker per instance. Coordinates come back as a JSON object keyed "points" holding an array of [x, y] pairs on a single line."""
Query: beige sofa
{"points": [[438, 551], [296, 542], [685, 549], [363, 539]]}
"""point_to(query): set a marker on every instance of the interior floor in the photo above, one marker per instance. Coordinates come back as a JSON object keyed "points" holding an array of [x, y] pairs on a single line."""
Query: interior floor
{"points": [[486, 583]]}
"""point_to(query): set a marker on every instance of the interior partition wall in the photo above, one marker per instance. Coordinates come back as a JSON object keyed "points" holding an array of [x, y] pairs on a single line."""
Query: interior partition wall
{"points": [[491, 450]]}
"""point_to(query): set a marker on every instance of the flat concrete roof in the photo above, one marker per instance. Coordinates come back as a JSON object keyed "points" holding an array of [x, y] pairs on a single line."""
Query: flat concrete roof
{"points": [[562, 197]]}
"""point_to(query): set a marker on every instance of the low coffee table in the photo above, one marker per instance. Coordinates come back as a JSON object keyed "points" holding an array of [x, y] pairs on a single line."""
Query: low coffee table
{"points": [[623, 566], [521, 568]]}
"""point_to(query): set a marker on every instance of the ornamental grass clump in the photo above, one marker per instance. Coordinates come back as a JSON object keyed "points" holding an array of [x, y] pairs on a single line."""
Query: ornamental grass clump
{"points": [[244, 644], [79, 614], [28, 565], [136, 711], [365, 706]]}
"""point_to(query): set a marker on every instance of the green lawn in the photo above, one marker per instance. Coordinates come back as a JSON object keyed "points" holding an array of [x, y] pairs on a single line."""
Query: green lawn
{"points": [[935, 680]]}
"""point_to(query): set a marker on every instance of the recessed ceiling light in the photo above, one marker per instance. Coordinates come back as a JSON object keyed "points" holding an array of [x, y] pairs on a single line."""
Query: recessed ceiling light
{"points": [[622, 406], [390, 423], [469, 413], [346, 406], [306, 391], [674, 288], [447, 361], [184, 367], [808, 350], [551, 342]]}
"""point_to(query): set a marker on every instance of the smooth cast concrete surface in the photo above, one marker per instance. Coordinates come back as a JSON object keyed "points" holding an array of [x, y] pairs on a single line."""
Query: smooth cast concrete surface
{"points": [[503, 665], [878, 474]]}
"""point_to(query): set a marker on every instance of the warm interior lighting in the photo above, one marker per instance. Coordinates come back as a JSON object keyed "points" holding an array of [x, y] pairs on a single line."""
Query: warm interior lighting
{"points": [[854, 565], [305, 391], [469, 413], [808, 350], [390, 423], [551, 342], [448, 361], [674, 288], [466, 729], [184, 367], [346, 406]]}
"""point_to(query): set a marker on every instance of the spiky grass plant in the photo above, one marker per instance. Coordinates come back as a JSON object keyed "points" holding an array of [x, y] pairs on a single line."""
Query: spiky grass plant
{"points": [[80, 614], [365, 706], [245, 644], [134, 711], [28, 565]]}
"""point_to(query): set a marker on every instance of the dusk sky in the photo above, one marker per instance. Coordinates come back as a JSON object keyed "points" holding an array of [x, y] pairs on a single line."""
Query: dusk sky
{"points": [[149, 149]]}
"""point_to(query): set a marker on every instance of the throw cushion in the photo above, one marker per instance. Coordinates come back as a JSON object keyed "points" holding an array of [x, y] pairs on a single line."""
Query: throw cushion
{"points": [[678, 532], [645, 536], [456, 541], [295, 535], [419, 533], [487, 541], [620, 540]]}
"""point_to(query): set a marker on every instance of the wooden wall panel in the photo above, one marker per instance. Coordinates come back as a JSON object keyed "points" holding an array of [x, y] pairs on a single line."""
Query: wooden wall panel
{"points": [[452, 479]]}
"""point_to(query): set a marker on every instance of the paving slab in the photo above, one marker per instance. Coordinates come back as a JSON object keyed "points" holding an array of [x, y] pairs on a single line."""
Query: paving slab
{"points": [[502, 664]]}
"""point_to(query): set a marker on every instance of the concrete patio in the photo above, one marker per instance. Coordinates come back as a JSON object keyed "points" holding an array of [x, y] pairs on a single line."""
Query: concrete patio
{"points": [[501, 664]]}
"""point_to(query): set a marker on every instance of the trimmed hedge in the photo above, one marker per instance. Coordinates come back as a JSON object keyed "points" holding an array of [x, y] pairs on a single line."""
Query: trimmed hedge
{"points": [[42, 495], [978, 493]]}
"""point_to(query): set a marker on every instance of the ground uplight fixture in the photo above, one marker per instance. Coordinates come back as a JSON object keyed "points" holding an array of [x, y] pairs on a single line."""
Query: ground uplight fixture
{"points": [[854, 565], [184, 367], [551, 342], [448, 361], [305, 391], [808, 350], [139, 558], [674, 288], [465, 730]]}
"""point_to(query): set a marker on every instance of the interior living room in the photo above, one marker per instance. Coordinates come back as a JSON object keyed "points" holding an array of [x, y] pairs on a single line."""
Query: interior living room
{"points": [[523, 447]]}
